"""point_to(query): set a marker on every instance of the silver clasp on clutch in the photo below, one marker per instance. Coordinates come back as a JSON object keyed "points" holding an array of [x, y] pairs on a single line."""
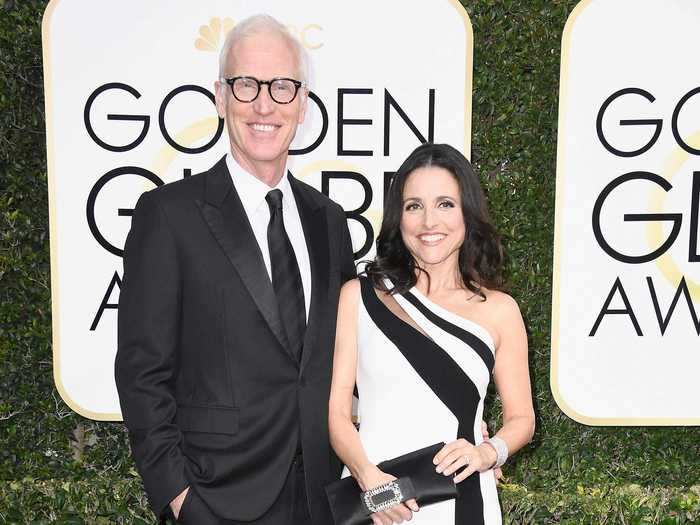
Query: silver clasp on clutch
{"points": [[382, 497]]}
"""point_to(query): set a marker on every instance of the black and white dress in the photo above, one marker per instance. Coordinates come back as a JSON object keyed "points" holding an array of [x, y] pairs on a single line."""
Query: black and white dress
{"points": [[419, 387]]}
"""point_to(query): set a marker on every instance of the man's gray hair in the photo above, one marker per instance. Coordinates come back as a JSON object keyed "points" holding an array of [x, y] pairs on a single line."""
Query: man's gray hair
{"points": [[260, 24]]}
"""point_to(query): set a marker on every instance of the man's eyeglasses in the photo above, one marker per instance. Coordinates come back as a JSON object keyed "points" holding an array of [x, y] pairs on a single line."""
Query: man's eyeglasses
{"points": [[247, 89]]}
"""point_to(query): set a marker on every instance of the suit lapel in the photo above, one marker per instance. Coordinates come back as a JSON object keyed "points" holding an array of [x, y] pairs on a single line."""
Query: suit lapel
{"points": [[223, 212], [314, 224]]}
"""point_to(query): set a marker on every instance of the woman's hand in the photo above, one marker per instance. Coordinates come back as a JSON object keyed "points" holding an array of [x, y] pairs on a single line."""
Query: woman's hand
{"points": [[461, 453], [373, 477]]}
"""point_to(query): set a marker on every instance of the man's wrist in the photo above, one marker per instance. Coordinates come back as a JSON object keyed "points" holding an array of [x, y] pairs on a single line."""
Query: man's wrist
{"points": [[176, 503]]}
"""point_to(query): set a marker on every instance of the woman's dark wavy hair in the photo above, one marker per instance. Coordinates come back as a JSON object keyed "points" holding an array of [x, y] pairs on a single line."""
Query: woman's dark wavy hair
{"points": [[480, 256]]}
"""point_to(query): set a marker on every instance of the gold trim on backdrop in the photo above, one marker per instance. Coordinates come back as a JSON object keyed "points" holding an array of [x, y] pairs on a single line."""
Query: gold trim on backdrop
{"points": [[468, 76], [559, 204], [50, 169], [669, 268]]}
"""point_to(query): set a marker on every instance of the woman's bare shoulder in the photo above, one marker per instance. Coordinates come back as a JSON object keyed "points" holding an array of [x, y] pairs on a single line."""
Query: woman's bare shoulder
{"points": [[351, 286], [502, 304], [350, 291]]}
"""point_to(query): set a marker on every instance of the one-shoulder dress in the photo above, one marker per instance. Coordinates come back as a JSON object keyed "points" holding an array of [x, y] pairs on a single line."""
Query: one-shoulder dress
{"points": [[420, 387]]}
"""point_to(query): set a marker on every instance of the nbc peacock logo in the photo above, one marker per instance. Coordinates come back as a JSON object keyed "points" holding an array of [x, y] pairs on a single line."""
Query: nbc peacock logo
{"points": [[211, 35]]}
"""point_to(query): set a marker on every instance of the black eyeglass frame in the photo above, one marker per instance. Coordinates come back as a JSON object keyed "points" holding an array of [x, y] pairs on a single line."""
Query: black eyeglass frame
{"points": [[297, 85]]}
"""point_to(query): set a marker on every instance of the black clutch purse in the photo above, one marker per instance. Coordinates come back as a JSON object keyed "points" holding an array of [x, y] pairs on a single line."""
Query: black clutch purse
{"points": [[416, 478]]}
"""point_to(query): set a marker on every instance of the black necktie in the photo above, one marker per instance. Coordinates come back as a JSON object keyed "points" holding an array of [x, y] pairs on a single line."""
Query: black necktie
{"points": [[286, 279]]}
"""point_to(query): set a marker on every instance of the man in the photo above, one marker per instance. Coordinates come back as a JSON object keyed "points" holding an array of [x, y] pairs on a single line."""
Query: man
{"points": [[227, 311]]}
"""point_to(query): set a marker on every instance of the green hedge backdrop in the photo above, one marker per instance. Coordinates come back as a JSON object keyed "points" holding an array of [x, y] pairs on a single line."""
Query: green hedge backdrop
{"points": [[57, 467]]}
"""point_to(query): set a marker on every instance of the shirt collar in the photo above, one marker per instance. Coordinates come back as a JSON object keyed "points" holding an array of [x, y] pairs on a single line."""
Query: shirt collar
{"points": [[251, 190]]}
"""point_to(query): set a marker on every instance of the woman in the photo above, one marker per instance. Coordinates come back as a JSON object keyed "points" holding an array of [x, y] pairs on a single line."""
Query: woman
{"points": [[421, 334]]}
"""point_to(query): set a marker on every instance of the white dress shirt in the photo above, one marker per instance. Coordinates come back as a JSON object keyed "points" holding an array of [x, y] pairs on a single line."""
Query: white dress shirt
{"points": [[252, 192]]}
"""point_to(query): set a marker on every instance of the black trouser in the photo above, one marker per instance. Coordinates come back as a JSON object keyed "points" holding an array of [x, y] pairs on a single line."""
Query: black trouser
{"points": [[290, 507]]}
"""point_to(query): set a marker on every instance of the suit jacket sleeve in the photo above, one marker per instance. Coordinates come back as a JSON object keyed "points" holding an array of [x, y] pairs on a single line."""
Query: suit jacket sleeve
{"points": [[146, 363]]}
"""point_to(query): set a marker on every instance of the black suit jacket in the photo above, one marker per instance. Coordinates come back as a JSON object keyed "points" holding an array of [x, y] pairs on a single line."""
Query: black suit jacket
{"points": [[209, 390]]}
